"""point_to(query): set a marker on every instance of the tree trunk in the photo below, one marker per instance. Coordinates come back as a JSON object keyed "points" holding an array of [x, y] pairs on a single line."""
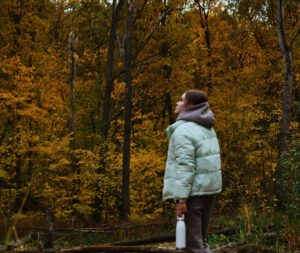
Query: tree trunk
{"points": [[73, 42], [204, 25], [109, 71], [167, 70], [286, 103], [116, 11], [169, 108], [18, 174], [129, 60], [74, 166], [288, 84], [125, 201]]}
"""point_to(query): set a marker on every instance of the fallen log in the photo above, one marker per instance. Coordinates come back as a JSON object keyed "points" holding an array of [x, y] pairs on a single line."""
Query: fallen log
{"points": [[229, 247], [104, 229], [162, 238], [242, 247], [103, 248], [3, 247], [253, 248], [19, 242]]}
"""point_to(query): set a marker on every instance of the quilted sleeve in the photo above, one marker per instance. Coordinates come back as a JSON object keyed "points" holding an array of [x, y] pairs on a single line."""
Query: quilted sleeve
{"points": [[184, 165]]}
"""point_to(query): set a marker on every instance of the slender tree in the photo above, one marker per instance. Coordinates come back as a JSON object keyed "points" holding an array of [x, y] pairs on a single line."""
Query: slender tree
{"points": [[287, 95], [128, 60], [116, 12], [106, 110], [73, 43], [204, 9], [288, 80], [167, 70]]}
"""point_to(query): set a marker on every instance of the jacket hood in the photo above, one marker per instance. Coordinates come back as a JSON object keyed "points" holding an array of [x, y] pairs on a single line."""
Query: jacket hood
{"points": [[200, 114]]}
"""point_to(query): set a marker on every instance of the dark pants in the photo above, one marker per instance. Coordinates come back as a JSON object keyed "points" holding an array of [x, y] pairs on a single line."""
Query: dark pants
{"points": [[197, 220]]}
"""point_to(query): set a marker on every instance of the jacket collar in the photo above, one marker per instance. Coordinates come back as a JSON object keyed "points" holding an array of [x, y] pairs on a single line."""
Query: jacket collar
{"points": [[171, 129]]}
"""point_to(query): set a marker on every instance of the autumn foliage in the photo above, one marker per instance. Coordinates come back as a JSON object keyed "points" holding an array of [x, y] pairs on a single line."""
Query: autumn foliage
{"points": [[228, 49]]}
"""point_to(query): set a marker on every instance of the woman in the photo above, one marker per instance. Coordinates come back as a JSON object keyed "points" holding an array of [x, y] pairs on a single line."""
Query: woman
{"points": [[193, 169]]}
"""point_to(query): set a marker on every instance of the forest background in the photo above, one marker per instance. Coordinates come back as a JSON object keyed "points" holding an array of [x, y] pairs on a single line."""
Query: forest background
{"points": [[87, 89]]}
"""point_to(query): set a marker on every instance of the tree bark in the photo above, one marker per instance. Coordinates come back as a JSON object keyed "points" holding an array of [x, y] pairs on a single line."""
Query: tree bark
{"points": [[109, 71], [106, 110], [169, 107], [167, 70], [204, 25], [286, 102], [129, 59], [19, 164], [73, 42], [288, 80], [74, 166], [125, 201]]}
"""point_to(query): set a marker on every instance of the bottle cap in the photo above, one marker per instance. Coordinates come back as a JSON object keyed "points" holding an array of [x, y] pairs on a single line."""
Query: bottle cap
{"points": [[180, 217]]}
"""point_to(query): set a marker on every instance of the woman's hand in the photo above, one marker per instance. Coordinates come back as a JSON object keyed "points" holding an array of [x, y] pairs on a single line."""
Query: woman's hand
{"points": [[180, 209]]}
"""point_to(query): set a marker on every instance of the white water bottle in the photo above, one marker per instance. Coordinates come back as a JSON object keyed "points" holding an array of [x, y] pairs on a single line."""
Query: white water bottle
{"points": [[180, 233]]}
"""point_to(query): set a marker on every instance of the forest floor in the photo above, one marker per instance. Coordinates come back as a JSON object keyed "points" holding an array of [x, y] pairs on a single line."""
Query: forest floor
{"points": [[235, 238]]}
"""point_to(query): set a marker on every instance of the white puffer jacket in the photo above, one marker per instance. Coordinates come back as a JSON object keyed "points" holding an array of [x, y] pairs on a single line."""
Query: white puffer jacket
{"points": [[193, 165]]}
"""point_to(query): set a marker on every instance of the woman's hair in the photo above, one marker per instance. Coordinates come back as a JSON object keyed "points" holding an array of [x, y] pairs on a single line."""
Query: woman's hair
{"points": [[195, 97]]}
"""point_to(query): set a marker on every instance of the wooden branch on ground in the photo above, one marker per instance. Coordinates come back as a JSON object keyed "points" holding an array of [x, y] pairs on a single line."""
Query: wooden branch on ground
{"points": [[229, 247], [242, 247], [163, 238], [19, 242], [249, 248], [12, 227], [103, 229], [227, 232], [131, 246], [238, 247], [3, 247], [103, 248]]}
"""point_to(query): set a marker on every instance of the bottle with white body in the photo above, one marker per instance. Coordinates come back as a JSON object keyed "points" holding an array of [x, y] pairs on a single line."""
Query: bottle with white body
{"points": [[180, 233]]}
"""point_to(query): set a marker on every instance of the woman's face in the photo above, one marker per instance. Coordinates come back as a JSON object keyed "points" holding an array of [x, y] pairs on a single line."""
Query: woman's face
{"points": [[181, 104]]}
